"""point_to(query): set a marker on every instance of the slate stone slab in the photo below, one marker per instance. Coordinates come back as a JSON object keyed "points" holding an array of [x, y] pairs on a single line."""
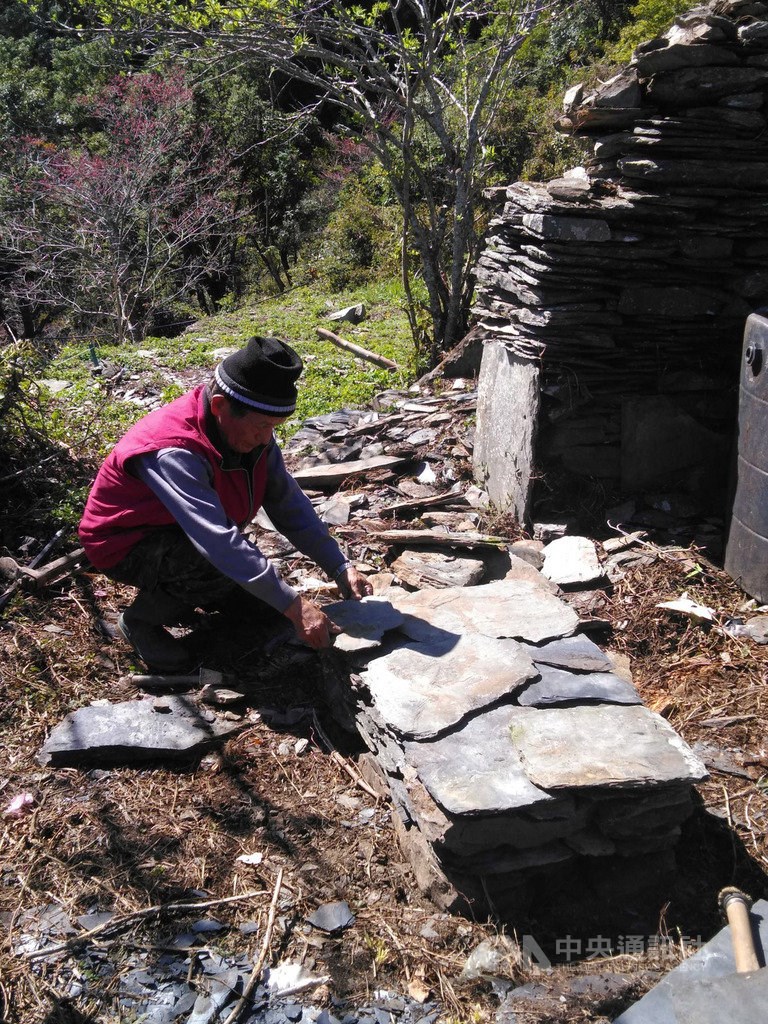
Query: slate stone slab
{"points": [[738, 997], [207, 1007], [332, 476], [332, 917], [421, 689], [516, 609], [364, 622], [601, 746], [557, 686], [469, 836], [571, 560], [134, 731], [576, 653], [478, 769], [667, 1004], [438, 569]]}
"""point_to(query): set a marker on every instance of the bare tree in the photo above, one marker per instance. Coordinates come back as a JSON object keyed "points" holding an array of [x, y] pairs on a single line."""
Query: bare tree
{"points": [[113, 232], [420, 82]]}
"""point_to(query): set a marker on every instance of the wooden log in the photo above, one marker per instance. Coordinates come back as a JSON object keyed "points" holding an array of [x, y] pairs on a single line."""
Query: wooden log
{"points": [[458, 540], [452, 497], [357, 350], [53, 570]]}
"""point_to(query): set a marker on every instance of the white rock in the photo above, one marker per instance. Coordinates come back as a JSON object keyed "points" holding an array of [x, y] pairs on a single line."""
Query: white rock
{"points": [[570, 560]]}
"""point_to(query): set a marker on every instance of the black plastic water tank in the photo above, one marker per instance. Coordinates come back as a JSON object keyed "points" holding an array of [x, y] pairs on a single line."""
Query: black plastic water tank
{"points": [[746, 553]]}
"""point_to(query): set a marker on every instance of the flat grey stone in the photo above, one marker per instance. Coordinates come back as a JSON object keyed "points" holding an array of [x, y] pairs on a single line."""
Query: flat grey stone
{"points": [[507, 414], [332, 917], [567, 229], [601, 746], [332, 475], [757, 628], [514, 609], [520, 569], [364, 622], [354, 314], [421, 689], [427, 568], [714, 962], [133, 731], [556, 686], [89, 921], [577, 653], [468, 836], [571, 560], [478, 769], [529, 551], [223, 987], [335, 512], [737, 997]]}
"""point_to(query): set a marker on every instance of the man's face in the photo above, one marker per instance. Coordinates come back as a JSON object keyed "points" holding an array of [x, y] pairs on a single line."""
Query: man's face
{"points": [[243, 433]]}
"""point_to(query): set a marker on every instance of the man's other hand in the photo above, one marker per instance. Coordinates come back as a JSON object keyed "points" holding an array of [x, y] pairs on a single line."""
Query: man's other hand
{"points": [[353, 585], [312, 625]]}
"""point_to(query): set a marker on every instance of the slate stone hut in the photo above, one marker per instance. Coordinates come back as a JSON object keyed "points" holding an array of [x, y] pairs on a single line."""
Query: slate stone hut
{"points": [[612, 301]]}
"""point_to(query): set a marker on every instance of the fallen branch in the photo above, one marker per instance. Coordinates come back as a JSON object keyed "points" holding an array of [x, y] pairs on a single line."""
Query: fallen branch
{"points": [[245, 998], [136, 915], [433, 501], [25, 572], [341, 761], [460, 540], [53, 570], [363, 353]]}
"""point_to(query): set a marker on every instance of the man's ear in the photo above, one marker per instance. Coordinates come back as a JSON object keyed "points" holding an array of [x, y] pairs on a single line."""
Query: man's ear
{"points": [[219, 405]]}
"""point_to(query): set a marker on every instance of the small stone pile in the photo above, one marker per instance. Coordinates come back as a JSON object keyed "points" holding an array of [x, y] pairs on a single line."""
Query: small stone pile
{"points": [[517, 758], [630, 278]]}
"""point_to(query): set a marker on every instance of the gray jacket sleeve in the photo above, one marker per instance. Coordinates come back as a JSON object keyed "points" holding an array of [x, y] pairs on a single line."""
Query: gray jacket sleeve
{"points": [[292, 513], [182, 481]]}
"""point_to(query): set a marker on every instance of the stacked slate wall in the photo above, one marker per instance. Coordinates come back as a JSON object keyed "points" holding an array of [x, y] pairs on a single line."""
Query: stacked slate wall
{"points": [[611, 302]]}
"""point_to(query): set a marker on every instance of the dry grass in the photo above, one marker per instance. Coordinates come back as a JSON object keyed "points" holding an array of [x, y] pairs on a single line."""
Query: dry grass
{"points": [[129, 839]]}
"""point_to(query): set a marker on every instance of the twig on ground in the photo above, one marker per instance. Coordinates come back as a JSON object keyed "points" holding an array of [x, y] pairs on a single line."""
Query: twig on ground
{"points": [[342, 761], [136, 915], [250, 985]]}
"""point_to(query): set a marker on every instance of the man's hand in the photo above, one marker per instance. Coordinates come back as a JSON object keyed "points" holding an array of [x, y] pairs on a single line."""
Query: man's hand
{"points": [[312, 625], [353, 585]]}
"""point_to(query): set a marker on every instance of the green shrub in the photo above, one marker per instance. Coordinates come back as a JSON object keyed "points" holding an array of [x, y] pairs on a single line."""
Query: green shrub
{"points": [[360, 240]]}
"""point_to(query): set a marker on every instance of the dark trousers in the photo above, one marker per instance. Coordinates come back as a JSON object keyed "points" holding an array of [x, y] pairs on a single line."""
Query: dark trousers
{"points": [[165, 561]]}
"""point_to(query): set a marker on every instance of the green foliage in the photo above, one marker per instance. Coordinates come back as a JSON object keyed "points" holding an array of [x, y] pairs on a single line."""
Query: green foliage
{"points": [[44, 74], [359, 242], [649, 19], [274, 155], [90, 414]]}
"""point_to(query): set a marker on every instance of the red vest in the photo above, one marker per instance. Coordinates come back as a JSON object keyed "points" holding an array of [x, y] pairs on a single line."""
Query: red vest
{"points": [[121, 509]]}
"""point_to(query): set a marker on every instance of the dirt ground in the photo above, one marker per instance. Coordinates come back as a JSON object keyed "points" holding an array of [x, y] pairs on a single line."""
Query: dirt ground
{"points": [[127, 839], [146, 841]]}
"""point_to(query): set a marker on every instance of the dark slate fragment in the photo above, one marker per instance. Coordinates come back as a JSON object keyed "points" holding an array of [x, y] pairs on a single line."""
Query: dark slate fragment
{"points": [[326, 1017], [207, 924], [332, 917], [133, 731], [275, 1016], [89, 921], [557, 686], [577, 653]]}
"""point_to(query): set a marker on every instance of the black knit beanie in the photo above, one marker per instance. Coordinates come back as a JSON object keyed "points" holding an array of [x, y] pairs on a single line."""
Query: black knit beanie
{"points": [[262, 375]]}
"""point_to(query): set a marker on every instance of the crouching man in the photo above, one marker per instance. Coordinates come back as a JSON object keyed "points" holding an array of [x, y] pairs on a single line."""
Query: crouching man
{"points": [[166, 511]]}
